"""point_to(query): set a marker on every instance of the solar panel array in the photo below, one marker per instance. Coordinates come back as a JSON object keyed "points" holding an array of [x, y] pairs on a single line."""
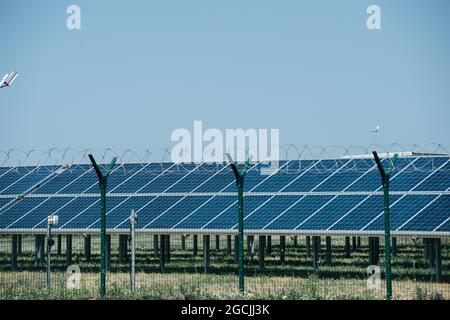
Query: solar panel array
{"points": [[318, 196]]}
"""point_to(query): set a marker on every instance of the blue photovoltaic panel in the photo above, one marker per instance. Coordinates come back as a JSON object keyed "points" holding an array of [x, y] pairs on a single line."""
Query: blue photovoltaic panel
{"points": [[302, 208], [313, 195], [265, 213], [435, 215], [205, 212]]}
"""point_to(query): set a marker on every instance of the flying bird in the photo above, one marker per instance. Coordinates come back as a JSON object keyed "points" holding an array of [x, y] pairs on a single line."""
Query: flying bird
{"points": [[376, 130], [8, 79]]}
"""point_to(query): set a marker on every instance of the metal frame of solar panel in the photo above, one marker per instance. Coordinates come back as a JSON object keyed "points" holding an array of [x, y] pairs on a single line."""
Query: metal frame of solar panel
{"points": [[314, 197]]}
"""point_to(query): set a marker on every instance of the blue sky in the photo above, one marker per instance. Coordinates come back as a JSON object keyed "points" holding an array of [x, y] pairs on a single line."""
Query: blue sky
{"points": [[137, 70]]}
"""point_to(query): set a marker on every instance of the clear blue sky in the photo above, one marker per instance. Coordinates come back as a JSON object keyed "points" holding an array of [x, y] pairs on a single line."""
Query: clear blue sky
{"points": [[137, 70]]}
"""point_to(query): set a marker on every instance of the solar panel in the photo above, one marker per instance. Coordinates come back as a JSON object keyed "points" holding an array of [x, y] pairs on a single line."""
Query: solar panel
{"points": [[305, 196]]}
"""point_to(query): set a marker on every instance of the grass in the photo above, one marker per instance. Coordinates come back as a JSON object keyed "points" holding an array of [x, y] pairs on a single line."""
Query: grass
{"points": [[199, 286], [183, 277]]}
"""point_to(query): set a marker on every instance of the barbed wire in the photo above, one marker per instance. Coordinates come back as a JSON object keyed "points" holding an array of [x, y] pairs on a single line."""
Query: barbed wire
{"points": [[293, 159]]}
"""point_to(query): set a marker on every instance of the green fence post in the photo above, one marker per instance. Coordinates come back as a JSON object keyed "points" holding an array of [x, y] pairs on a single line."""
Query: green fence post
{"points": [[240, 187], [108, 253], [385, 175], [236, 249], [102, 181]]}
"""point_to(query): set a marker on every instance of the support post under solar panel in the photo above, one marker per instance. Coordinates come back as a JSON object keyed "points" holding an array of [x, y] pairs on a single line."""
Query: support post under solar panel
{"points": [[102, 181], [167, 248], [385, 176], [394, 246], [19, 244], [195, 246], [14, 241], [438, 259], [68, 249], [429, 250], [36, 249], [282, 249], [374, 250], [59, 245], [250, 246], [308, 246], [347, 248], [39, 249], [229, 250], [206, 251], [328, 245], [261, 249], [155, 245], [162, 252], [269, 245], [316, 252], [183, 242], [87, 247], [217, 242], [123, 247], [353, 244], [426, 251]]}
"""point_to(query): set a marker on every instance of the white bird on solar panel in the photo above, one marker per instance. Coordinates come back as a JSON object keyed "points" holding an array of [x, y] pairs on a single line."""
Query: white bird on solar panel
{"points": [[8, 79], [376, 130]]}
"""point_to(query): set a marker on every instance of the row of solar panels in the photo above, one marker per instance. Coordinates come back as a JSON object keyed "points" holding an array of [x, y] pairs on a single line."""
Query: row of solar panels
{"points": [[344, 212], [68, 193], [162, 177]]}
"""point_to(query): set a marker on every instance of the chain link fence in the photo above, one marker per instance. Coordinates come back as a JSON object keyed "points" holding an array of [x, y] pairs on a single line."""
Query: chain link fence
{"points": [[204, 266]]}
